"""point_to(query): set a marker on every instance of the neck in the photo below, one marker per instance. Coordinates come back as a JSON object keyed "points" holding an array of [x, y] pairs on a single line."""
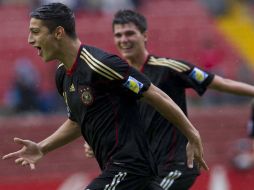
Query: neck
{"points": [[138, 60], [69, 52]]}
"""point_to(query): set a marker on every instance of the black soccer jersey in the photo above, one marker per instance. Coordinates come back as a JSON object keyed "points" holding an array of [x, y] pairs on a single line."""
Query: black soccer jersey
{"points": [[173, 77], [100, 92]]}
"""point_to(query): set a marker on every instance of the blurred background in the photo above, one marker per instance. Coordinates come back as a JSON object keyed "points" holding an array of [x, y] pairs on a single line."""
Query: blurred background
{"points": [[216, 35]]}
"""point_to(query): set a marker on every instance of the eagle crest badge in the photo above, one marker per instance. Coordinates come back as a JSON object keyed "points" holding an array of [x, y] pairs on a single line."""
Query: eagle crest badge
{"points": [[86, 95]]}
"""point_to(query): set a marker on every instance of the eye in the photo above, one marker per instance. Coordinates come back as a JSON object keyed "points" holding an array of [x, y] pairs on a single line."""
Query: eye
{"points": [[130, 33], [117, 35], [34, 31]]}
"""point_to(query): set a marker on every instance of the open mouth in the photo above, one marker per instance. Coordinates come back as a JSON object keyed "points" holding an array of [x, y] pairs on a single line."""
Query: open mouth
{"points": [[39, 51]]}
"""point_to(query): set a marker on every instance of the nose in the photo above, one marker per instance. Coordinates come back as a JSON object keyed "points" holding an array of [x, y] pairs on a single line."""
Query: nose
{"points": [[123, 38], [30, 39]]}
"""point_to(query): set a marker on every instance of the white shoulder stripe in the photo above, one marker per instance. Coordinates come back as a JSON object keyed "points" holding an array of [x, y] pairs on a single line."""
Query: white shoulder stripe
{"points": [[60, 65], [96, 70], [99, 66], [176, 65]]}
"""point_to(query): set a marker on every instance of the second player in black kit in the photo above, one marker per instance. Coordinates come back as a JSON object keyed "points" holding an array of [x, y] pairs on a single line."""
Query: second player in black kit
{"points": [[168, 144], [173, 77]]}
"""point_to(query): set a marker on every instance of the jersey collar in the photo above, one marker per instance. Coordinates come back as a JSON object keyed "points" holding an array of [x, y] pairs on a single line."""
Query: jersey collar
{"points": [[146, 61], [70, 71]]}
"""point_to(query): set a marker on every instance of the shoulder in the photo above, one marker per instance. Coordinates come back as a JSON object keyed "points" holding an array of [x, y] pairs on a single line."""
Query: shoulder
{"points": [[106, 64], [60, 71], [93, 52], [172, 64]]}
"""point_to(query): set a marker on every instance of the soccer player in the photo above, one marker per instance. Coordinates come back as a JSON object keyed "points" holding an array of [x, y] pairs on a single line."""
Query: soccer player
{"points": [[101, 92], [173, 77]]}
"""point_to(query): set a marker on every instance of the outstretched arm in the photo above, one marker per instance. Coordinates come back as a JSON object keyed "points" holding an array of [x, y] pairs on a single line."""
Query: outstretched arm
{"points": [[231, 86], [166, 107], [32, 152]]}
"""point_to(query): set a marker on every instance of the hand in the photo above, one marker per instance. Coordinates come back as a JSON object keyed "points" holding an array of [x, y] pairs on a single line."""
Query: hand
{"points": [[88, 151], [195, 153], [29, 154]]}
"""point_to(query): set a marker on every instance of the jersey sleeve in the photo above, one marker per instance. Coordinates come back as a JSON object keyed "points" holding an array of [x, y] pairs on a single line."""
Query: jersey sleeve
{"points": [[131, 79], [196, 78]]}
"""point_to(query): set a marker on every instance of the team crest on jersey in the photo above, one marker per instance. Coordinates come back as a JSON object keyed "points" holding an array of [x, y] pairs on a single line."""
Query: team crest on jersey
{"points": [[198, 75], [86, 95], [133, 84]]}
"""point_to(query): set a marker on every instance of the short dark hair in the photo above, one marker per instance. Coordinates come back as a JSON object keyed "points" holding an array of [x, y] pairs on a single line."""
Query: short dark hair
{"points": [[54, 15], [127, 16]]}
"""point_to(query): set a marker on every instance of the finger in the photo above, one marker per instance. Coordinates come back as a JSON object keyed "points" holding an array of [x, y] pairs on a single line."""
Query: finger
{"points": [[190, 163], [32, 166], [21, 141], [190, 159], [87, 146], [203, 164], [10, 155], [89, 155], [24, 163], [19, 160]]}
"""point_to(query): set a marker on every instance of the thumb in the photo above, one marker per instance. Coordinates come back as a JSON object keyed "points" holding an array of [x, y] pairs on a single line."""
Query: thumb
{"points": [[190, 161], [190, 157], [21, 141]]}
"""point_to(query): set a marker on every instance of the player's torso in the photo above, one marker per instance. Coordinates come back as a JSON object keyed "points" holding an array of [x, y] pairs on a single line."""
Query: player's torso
{"points": [[164, 138], [173, 77], [99, 106]]}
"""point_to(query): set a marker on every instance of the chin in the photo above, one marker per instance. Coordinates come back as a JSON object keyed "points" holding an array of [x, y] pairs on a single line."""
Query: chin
{"points": [[127, 55], [47, 59]]}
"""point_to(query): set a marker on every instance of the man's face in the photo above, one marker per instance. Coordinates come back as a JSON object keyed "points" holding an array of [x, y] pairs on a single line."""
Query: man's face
{"points": [[40, 38], [129, 41]]}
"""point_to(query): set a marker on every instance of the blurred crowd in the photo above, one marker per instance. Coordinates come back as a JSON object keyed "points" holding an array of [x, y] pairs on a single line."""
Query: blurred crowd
{"points": [[105, 6], [222, 7]]}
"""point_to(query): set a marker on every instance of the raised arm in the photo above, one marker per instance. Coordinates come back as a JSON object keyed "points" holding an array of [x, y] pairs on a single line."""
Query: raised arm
{"points": [[32, 152], [166, 107], [231, 86]]}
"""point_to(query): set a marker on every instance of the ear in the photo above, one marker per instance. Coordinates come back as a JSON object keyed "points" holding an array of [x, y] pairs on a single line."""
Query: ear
{"points": [[59, 32], [145, 34]]}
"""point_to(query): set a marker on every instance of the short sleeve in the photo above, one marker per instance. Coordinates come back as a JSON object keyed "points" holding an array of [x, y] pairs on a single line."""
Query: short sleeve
{"points": [[196, 78], [131, 79]]}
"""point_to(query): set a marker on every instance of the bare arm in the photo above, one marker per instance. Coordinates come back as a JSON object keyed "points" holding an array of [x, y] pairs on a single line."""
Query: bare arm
{"points": [[231, 86], [32, 152], [66, 133], [166, 107]]}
